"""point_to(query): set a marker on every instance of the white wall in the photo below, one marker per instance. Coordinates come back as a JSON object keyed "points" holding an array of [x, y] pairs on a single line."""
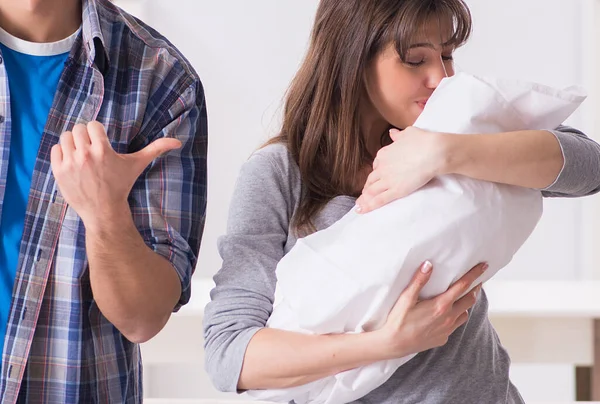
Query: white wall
{"points": [[247, 52]]}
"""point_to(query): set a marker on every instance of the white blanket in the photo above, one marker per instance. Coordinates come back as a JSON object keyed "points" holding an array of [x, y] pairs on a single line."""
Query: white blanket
{"points": [[345, 279]]}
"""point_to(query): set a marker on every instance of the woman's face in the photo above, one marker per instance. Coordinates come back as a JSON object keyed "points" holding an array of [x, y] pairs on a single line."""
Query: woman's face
{"points": [[398, 90]]}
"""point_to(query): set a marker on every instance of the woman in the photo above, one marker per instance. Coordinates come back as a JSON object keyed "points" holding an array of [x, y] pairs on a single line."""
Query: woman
{"points": [[371, 66]]}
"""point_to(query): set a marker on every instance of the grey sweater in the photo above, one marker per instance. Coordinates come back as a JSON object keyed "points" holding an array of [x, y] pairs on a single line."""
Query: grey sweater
{"points": [[472, 367]]}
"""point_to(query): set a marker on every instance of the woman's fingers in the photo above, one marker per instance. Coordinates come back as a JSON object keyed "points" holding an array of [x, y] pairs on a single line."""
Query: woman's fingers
{"points": [[372, 178], [419, 280], [368, 202], [375, 188], [460, 287], [459, 321], [466, 302], [410, 296], [460, 309]]}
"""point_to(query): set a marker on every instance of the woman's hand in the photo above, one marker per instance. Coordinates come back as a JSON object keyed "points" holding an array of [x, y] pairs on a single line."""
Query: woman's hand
{"points": [[416, 326], [415, 157]]}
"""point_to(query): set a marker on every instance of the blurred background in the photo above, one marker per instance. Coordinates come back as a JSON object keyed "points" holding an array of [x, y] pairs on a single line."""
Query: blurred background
{"points": [[545, 305]]}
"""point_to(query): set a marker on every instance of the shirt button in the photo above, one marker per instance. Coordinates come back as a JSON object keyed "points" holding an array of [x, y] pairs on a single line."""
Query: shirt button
{"points": [[13, 371], [1, 60], [1, 119]]}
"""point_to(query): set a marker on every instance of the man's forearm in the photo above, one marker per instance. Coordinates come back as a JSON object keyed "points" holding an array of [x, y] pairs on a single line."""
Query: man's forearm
{"points": [[135, 288]]}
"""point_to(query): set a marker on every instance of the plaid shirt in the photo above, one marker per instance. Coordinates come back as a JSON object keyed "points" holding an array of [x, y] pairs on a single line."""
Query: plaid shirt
{"points": [[59, 348]]}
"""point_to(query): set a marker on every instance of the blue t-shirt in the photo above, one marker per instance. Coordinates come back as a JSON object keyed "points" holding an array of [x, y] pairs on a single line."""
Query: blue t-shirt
{"points": [[33, 72]]}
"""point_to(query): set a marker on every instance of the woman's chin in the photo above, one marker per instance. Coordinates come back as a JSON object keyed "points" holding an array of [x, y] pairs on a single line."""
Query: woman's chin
{"points": [[411, 122], [417, 114], [407, 120]]}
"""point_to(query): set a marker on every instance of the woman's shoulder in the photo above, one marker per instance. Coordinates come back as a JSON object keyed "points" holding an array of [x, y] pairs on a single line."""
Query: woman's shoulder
{"points": [[275, 157]]}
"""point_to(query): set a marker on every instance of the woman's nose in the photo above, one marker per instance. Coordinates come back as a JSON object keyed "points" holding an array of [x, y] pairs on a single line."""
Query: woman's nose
{"points": [[437, 72]]}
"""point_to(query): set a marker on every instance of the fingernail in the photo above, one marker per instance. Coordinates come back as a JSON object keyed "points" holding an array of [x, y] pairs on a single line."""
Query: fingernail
{"points": [[357, 209], [426, 267], [485, 267]]}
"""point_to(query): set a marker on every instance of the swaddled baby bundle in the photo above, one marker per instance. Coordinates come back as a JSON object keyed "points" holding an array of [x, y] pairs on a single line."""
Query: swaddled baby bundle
{"points": [[346, 278]]}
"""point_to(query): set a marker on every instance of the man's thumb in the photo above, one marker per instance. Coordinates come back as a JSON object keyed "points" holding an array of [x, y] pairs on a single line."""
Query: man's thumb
{"points": [[144, 157]]}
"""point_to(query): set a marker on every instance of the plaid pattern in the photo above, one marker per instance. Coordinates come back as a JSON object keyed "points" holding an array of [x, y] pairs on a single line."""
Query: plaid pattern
{"points": [[59, 348]]}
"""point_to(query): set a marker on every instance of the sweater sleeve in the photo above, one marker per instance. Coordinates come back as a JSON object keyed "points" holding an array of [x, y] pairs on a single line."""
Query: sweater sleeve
{"points": [[242, 299], [580, 175]]}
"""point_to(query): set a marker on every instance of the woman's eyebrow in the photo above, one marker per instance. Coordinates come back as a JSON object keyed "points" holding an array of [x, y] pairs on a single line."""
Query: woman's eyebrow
{"points": [[429, 45], [422, 45]]}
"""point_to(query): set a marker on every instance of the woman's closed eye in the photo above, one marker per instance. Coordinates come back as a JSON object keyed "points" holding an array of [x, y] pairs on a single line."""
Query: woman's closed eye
{"points": [[419, 62], [414, 63]]}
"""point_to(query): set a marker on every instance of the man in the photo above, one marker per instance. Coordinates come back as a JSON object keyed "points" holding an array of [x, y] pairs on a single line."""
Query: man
{"points": [[103, 139]]}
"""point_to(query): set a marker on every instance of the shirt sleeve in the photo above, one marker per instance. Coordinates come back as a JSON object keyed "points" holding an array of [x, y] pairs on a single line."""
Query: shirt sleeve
{"points": [[580, 174], [168, 201], [242, 300]]}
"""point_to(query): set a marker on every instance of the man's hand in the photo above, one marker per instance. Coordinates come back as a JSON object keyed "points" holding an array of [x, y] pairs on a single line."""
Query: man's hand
{"points": [[92, 177]]}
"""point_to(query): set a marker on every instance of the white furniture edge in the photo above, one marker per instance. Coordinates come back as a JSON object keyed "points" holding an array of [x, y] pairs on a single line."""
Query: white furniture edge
{"points": [[540, 299]]}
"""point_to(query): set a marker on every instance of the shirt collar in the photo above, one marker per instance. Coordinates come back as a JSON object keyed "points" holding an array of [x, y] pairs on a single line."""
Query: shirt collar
{"points": [[93, 40]]}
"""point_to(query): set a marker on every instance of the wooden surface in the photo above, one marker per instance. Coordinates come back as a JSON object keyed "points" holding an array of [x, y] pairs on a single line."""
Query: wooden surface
{"points": [[596, 366]]}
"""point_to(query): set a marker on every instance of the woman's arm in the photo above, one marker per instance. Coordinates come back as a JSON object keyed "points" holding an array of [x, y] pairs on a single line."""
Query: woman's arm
{"points": [[277, 359], [564, 161]]}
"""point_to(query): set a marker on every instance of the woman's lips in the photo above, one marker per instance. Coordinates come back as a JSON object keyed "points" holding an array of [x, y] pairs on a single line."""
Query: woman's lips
{"points": [[422, 103]]}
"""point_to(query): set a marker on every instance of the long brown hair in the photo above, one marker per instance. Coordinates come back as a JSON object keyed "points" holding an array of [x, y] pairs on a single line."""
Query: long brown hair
{"points": [[321, 125]]}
